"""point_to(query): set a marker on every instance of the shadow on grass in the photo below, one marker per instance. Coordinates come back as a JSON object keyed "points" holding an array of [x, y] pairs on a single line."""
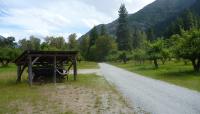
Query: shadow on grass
{"points": [[181, 73]]}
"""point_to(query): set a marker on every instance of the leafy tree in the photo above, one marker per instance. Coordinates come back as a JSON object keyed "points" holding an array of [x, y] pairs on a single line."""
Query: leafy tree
{"points": [[104, 45], [154, 51], [7, 55], [84, 45], [25, 44], [123, 32], [187, 47], [139, 55], [35, 42], [123, 57], [72, 43], [56, 42], [7, 42], [92, 39]]}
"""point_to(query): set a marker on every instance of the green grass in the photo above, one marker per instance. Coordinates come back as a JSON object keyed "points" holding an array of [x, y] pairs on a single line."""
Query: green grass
{"points": [[87, 65], [172, 72], [10, 92]]}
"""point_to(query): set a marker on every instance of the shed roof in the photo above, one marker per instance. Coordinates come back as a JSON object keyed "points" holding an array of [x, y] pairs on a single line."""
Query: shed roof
{"points": [[45, 56]]}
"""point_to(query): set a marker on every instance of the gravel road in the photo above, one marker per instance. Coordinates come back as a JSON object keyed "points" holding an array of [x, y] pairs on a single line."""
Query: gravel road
{"points": [[153, 96]]}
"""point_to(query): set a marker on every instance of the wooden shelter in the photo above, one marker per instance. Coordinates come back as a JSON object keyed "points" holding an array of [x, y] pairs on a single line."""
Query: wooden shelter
{"points": [[49, 60]]}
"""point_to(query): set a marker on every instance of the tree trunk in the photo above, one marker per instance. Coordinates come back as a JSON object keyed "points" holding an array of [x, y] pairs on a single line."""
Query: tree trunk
{"points": [[155, 63], [163, 61], [196, 64]]}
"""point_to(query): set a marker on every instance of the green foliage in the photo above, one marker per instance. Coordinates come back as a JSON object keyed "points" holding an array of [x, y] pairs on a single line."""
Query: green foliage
{"points": [[57, 43], [83, 47], [32, 44], [7, 55], [187, 46], [7, 42], [123, 33], [104, 45], [139, 55], [72, 43], [139, 38], [155, 50]]}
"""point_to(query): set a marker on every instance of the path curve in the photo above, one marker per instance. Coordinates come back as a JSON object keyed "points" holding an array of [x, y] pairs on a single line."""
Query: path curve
{"points": [[151, 95]]}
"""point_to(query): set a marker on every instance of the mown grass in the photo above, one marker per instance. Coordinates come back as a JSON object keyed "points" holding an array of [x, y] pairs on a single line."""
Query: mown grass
{"points": [[173, 72], [87, 65], [11, 92]]}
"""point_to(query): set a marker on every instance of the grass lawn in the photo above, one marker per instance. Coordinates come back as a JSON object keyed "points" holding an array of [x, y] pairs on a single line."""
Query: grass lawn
{"points": [[87, 65], [172, 72], [89, 94]]}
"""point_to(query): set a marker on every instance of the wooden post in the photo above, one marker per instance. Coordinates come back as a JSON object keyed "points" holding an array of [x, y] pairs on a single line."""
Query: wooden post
{"points": [[30, 77], [54, 75], [18, 73], [75, 67]]}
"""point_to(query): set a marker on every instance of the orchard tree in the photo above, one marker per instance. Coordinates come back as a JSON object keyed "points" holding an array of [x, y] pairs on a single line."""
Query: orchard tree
{"points": [[7, 55], [154, 51], [188, 47], [123, 33]]}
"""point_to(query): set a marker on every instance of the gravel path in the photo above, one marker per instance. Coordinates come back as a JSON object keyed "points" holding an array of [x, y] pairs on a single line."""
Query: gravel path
{"points": [[151, 95]]}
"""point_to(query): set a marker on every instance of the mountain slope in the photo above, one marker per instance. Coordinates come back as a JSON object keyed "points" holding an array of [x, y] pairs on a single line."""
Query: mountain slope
{"points": [[160, 11]]}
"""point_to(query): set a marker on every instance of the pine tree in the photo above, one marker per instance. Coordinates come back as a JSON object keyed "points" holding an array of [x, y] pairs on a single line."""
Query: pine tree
{"points": [[123, 33]]}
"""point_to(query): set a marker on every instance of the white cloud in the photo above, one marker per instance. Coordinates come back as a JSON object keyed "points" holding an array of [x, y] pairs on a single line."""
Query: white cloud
{"points": [[59, 17]]}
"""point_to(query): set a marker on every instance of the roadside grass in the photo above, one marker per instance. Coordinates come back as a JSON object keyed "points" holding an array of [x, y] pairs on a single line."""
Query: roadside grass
{"points": [[87, 65], [173, 72]]}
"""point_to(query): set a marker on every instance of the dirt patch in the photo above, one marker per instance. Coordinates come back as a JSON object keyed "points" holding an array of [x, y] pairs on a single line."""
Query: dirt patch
{"points": [[82, 100], [70, 99]]}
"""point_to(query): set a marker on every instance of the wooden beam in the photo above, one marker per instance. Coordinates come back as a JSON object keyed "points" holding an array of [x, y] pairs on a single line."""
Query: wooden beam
{"points": [[75, 68], [35, 60], [18, 73], [54, 75], [30, 77]]}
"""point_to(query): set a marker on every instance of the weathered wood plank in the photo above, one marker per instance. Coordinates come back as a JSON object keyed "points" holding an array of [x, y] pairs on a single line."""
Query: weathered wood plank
{"points": [[30, 77], [75, 68], [18, 73], [54, 75]]}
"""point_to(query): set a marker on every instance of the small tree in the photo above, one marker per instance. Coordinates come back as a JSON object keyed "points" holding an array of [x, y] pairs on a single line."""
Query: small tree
{"points": [[188, 47], [154, 51]]}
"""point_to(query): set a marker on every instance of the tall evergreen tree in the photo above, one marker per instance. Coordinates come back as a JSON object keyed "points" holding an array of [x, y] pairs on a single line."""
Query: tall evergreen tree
{"points": [[92, 40], [123, 33]]}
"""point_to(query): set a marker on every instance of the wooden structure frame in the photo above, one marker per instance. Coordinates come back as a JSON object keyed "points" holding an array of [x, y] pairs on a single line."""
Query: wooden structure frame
{"points": [[39, 58]]}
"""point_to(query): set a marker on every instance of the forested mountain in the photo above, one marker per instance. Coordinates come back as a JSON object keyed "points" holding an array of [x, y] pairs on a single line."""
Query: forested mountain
{"points": [[157, 15]]}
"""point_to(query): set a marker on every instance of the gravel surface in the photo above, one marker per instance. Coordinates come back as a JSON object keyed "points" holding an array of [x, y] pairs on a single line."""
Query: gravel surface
{"points": [[153, 96], [88, 71]]}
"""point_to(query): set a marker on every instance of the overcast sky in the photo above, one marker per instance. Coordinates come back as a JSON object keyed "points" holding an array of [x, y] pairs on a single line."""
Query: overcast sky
{"points": [[22, 18]]}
